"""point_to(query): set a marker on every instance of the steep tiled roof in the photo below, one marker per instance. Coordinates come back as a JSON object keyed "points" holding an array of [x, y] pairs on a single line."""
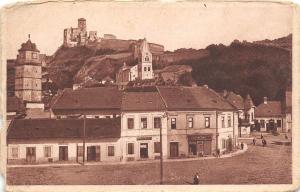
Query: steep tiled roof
{"points": [[235, 100], [64, 128], [193, 98], [142, 101], [89, 98], [270, 109], [248, 102], [28, 46], [14, 104]]}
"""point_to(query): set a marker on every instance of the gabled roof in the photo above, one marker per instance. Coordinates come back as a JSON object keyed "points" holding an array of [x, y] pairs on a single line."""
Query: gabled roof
{"points": [[193, 98], [14, 104], [89, 98], [64, 128], [142, 101], [248, 103], [270, 109], [235, 100], [28, 46]]}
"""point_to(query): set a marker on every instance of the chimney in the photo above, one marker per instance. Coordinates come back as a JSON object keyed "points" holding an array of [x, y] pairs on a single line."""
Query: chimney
{"points": [[265, 100], [225, 93]]}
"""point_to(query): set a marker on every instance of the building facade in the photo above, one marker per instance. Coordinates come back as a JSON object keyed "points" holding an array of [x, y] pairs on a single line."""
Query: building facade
{"points": [[144, 120], [269, 116], [200, 122]]}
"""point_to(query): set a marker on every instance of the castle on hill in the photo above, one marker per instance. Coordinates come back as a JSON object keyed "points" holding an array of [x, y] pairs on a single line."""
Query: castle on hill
{"points": [[80, 36]]}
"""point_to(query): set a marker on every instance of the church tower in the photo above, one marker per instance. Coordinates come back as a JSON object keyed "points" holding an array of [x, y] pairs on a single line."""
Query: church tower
{"points": [[28, 75], [146, 70]]}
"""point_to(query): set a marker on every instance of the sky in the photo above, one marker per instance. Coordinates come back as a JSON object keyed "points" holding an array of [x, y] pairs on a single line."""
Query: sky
{"points": [[174, 25]]}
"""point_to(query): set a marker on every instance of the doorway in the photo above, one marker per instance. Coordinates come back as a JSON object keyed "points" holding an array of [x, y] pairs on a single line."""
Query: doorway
{"points": [[144, 150], [63, 153], [93, 153], [30, 154], [174, 149]]}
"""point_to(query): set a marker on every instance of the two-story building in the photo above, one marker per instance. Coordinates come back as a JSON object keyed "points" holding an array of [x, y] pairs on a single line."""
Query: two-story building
{"points": [[199, 121], [144, 125]]}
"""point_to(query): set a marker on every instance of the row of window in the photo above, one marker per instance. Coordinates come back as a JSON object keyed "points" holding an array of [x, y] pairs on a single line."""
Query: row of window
{"points": [[48, 151], [263, 123], [144, 123], [130, 148], [190, 122], [145, 68]]}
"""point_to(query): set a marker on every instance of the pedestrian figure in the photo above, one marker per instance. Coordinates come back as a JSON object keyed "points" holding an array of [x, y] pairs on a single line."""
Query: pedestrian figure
{"points": [[264, 142], [254, 141], [218, 152], [196, 179], [286, 137], [242, 145], [261, 136]]}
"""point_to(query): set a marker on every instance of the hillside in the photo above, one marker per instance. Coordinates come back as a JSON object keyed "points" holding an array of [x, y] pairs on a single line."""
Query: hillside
{"points": [[245, 68], [262, 68]]}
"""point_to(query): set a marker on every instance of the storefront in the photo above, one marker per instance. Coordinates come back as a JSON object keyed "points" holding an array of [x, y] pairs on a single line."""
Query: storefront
{"points": [[200, 144]]}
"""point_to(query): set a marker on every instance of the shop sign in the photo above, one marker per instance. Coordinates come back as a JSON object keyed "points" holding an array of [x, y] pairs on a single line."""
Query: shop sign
{"points": [[199, 137], [144, 138]]}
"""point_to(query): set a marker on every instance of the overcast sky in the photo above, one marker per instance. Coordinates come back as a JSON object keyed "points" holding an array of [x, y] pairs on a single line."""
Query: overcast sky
{"points": [[175, 25]]}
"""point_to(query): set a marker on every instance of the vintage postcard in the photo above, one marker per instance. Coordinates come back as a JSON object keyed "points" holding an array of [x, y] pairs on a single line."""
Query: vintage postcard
{"points": [[150, 96]]}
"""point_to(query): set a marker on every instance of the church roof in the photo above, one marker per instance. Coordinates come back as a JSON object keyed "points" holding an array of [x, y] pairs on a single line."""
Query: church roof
{"points": [[28, 46]]}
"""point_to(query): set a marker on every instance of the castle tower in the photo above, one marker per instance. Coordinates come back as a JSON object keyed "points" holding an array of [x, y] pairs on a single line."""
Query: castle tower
{"points": [[82, 24], [28, 74], [146, 70]]}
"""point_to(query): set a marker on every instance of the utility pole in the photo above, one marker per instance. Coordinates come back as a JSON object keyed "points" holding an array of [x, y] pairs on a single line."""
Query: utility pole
{"points": [[84, 127], [161, 155]]}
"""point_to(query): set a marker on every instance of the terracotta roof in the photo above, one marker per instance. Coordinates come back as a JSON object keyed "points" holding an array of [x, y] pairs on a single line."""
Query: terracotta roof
{"points": [[64, 128], [89, 98], [235, 100], [193, 98], [248, 102], [14, 104], [142, 101], [28, 46], [271, 109]]}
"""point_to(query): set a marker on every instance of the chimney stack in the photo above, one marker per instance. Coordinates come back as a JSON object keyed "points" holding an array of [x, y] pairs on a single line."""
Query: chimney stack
{"points": [[265, 100]]}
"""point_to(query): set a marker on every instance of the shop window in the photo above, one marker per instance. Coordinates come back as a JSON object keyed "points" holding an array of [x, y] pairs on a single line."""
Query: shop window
{"points": [[223, 121], [156, 147], [229, 121], [144, 123], [278, 123], [130, 123], [207, 122], [14, 152], [47, 151], [130, 148], [190, 122], [173, 123], [262, 123], [80, 151], [157, 122], [111, 150]]}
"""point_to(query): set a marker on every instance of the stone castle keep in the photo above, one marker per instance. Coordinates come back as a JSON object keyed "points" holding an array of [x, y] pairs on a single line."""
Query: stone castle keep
{"points": [[80, 36]]}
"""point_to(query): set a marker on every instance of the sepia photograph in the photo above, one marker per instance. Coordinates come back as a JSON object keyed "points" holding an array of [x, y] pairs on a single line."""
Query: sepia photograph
{"points": [[147, 93]]}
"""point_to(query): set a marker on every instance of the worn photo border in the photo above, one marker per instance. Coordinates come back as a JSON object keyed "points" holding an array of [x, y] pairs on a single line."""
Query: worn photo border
{"points": [[4, 38]]}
